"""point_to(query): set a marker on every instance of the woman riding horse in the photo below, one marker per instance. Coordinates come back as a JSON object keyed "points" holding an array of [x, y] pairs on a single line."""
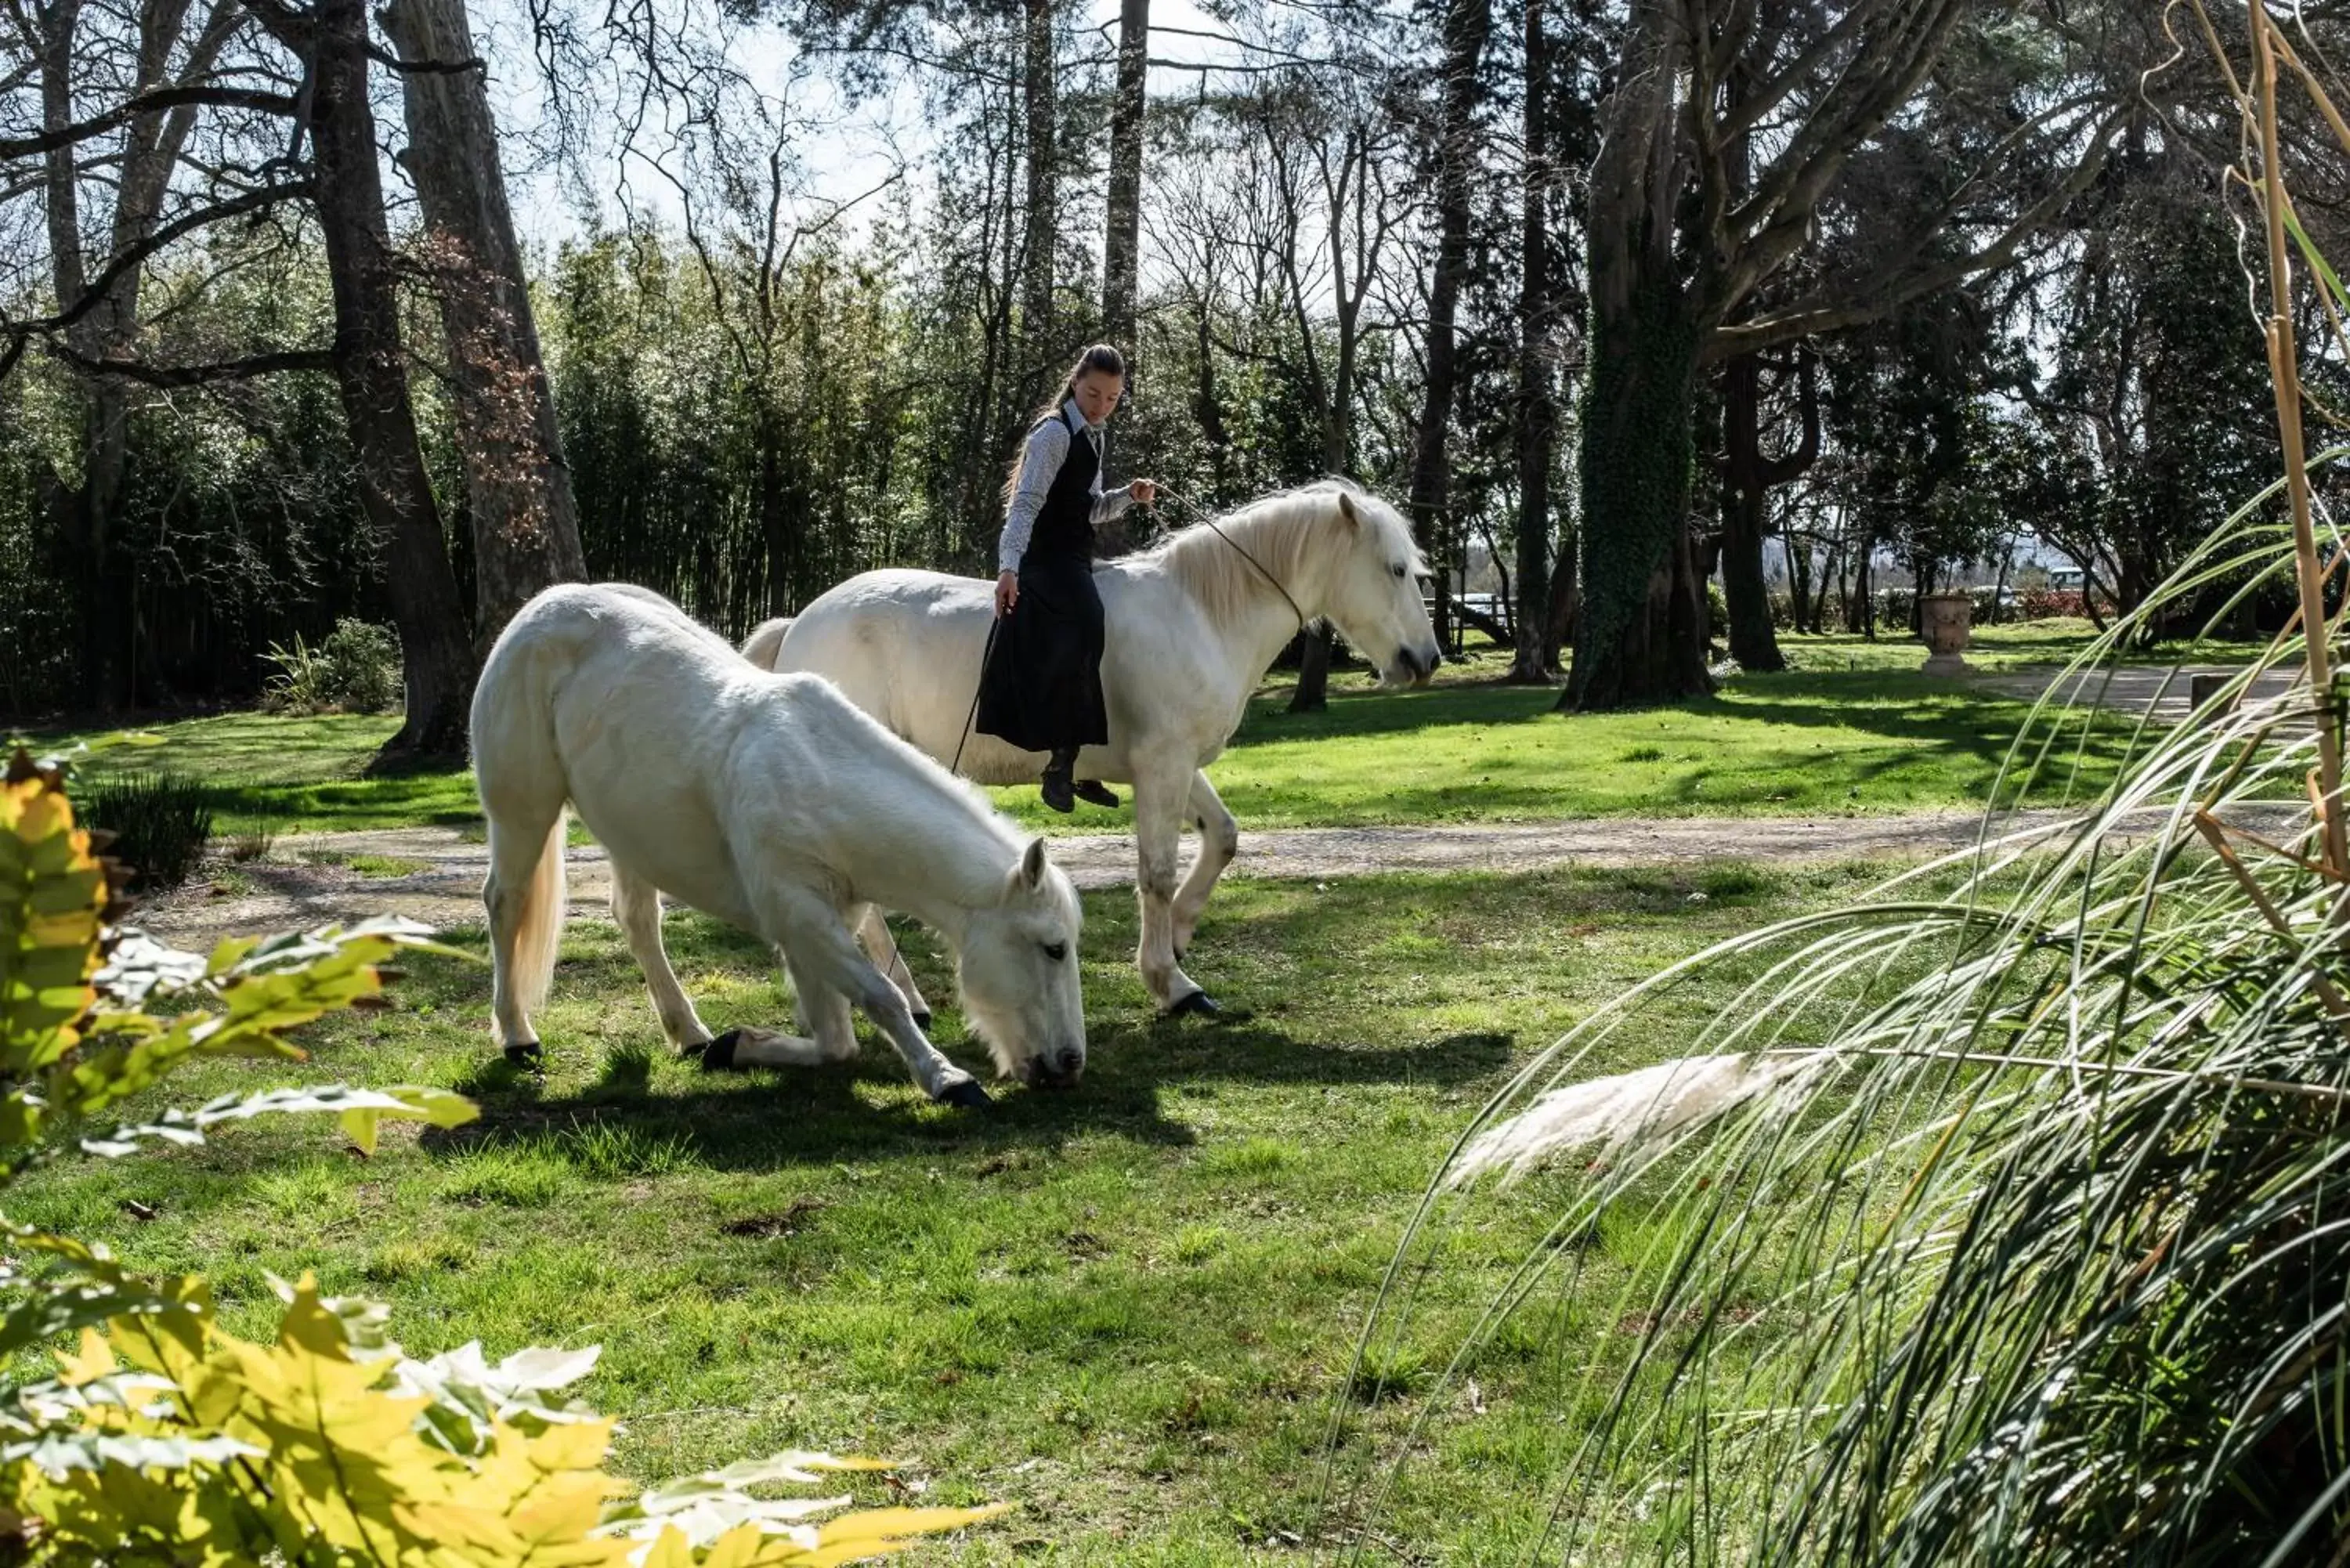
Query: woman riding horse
{"points": [[1041, 690]]}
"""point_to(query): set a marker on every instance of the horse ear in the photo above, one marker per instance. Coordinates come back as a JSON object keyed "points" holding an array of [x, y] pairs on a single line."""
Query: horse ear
{"points": [[1346, 510], [1029, 874]]}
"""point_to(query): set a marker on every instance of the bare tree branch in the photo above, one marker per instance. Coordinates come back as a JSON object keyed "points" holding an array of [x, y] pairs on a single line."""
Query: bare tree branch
{"points": [[144, 103], [242, 369]]}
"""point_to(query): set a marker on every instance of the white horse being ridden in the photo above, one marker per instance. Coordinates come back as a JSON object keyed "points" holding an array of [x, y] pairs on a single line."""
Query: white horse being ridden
{"points": [[1194, 623], [773, 803]]}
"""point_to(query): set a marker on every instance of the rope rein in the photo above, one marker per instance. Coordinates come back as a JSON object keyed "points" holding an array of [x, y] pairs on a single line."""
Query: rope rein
{"points": [[1217, 528], [985, 657]]}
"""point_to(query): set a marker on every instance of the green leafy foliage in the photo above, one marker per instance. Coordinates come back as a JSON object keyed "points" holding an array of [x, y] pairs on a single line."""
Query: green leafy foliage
{"points": [[159, 823], [354, 670], [163, 1438]]}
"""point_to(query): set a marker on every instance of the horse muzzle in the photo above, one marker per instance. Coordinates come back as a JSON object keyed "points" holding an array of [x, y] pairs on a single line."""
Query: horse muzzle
{"points": [[1418, 666], [1054, 1069]]}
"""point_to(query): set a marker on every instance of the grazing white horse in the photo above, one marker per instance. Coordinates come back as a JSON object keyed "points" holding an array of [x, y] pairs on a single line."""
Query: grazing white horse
{"points": [[773, 803], [1194, 623]]}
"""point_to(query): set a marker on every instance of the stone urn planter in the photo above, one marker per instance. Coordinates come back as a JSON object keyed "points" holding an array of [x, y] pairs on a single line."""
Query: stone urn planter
{"points": [[1945, 621]]}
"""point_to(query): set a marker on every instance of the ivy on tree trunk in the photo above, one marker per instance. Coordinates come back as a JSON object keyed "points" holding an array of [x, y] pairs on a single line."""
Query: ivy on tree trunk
{"points": [[1642, 637], [517, 488]]}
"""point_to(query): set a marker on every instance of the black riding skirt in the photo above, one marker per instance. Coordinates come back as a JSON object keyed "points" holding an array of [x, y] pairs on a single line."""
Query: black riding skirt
{"points": [[1042, 688]]}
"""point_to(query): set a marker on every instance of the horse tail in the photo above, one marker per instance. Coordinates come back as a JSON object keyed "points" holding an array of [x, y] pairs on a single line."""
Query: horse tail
{"points": [[766, 640], [540, 930], [518, 768]]}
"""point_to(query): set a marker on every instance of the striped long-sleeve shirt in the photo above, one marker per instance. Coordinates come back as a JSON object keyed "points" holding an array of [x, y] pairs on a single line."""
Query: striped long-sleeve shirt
{"points": [[1048, 447]]}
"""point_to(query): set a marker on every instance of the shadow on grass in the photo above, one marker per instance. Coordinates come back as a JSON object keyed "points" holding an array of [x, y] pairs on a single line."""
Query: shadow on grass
{"points": [[761, 1119]]}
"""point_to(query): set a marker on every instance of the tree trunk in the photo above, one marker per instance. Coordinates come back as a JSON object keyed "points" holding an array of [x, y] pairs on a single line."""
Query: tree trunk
{"points": [[1036, 246], [140, 175], [1641, 637], [1745, 588], [1860, 612], [1537, 414], [1561, 614], [525, 529], [1748, 478], [1313, 691], [1121, 252], [372, 371], [1467, 24], [1800, 613], [1313, 694]]}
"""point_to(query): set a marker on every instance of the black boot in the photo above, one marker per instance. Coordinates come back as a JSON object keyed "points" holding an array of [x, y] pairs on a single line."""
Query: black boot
{"points": [[1094, 791], [1057, 791]]}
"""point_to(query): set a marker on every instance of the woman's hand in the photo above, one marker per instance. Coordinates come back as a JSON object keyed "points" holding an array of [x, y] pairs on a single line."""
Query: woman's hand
{"points": [[1007, 594], [1143, 492]]}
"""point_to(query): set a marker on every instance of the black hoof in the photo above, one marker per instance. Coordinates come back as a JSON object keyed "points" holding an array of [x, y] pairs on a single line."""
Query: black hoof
{"points": [[718, 1055], [922, 1022], [1199, 1002], [525, 1055], [966, 1095]]}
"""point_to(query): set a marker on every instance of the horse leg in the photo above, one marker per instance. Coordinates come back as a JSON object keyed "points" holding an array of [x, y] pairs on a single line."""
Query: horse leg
{"points": [[523, 896], [824, 957], [873, 932], [824, 1014], [1219, 840], [822, 1011], [636, 909], [1159, 797]]}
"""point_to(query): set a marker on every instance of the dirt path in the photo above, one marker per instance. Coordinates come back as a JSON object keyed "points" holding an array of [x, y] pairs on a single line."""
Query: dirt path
{"points": [[434, 874]]}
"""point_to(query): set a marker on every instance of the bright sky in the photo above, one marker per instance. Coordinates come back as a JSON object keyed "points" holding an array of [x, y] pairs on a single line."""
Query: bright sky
{"points": [[846, 152]]}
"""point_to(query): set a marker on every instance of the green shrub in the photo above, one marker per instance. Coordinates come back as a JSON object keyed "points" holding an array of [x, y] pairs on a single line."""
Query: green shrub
{"points": [[356, 670], [160, 822]]}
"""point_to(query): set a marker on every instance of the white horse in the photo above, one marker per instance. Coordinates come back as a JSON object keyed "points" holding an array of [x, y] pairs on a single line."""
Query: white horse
{"points": [[773, 803], [1194, 623]]}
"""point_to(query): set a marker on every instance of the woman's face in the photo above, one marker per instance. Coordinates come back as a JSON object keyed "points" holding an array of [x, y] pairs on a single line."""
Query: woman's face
{"points": [[1096, 393]]}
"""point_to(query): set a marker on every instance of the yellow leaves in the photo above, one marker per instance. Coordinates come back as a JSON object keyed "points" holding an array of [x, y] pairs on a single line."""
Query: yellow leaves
{"points": [[93, 1359], [879, 1531], [52, 903], [224, 1450], [851, 1538]]}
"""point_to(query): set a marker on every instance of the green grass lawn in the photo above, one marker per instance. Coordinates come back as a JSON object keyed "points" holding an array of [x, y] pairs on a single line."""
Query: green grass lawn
{"points": [[1128, 1308], [1852, 727]]}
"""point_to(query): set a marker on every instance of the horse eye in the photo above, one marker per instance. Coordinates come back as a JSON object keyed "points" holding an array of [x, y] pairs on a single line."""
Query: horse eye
{"points": [[1056, 951], [1398, 571]]}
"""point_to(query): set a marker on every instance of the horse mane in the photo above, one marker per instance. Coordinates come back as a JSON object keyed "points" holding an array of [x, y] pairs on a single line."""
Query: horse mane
{"points": [[1286, 533]]}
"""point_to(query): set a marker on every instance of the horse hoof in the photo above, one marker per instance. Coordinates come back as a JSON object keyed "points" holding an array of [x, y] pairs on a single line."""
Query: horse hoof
{"points": [[1199, 1002], [964, 1095], [525, 1055], [922, 1022], [718, 1055]]}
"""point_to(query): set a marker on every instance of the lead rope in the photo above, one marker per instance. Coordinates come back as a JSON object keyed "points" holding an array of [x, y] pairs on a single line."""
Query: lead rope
{"points": [[1216, 529], [986, 654]]}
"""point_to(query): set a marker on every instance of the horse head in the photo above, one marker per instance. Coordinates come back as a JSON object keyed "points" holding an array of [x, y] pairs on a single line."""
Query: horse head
{"points": [[1373, 596], [1018, 973]]}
